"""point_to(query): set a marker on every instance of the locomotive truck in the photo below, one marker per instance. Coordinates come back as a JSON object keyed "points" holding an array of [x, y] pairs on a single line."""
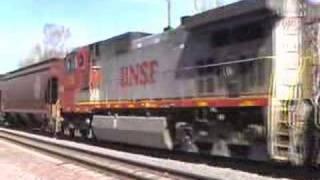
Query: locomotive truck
{"points": [[240, 80]]}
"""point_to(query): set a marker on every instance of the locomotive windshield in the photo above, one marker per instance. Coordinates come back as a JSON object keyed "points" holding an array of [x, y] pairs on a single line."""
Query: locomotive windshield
{"points": [[70, 63]]}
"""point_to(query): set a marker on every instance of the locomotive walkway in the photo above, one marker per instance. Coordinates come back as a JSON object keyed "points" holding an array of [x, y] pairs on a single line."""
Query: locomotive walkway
{"points": [[125, 165]]}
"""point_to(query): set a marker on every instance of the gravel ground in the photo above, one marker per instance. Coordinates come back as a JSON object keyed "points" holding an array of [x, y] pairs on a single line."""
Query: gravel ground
{"points": [[17, 163]]}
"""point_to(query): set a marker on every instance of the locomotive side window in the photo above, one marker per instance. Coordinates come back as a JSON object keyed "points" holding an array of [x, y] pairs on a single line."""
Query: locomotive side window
{"points": [[206, 82], [246, 73], [81, 61], [70, 64], [97, 47], [201, 69], [220, 38], [262, 70], [242, 33], [73, 64], [204, 66], [210, 84], [67, 64], [201, 86], [210, 68], [249, 31], [94, 49]]}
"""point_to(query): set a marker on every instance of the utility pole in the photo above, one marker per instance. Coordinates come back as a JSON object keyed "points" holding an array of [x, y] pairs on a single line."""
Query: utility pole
{"points": [[216, 3], [204, 5], [169, 14]]}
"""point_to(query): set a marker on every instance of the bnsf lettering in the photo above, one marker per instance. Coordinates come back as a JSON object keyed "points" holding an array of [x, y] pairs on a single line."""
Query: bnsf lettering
{"points": [[138, 74]]}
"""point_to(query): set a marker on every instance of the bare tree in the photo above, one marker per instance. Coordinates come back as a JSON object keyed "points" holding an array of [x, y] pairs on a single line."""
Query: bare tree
{"points": [[53, 44], [55, 37]]}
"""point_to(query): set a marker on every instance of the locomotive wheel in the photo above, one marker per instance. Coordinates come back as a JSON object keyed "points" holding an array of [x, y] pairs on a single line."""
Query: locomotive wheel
{"points": [[84, 133], [92, 136], [71, 132]]}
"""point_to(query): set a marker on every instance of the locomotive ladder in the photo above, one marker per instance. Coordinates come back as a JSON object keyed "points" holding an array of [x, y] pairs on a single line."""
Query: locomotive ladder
{"points": [[280, 140], [283, 140], [287, 129]]}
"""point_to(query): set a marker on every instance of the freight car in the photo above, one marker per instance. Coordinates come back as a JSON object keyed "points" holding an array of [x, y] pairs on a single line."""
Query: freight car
{"points": [[237, 81], [28, 94]]}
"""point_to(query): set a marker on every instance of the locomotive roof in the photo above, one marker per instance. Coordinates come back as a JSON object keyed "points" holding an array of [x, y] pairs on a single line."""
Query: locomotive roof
{"points": [[123, 37], [232, 10], [243, 7]]}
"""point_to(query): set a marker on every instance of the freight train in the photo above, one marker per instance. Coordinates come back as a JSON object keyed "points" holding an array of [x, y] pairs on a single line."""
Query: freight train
{"points": [[240, 80]]}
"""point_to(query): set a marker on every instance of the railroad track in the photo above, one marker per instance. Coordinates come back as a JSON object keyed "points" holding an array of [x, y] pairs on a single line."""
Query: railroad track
{"points": [[269, 169], [106, 160], [100, 156]]}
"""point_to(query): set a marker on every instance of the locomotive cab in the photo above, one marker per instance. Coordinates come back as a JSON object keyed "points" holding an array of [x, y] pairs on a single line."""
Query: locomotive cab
{"points": [[77, 67], [81, 83]]}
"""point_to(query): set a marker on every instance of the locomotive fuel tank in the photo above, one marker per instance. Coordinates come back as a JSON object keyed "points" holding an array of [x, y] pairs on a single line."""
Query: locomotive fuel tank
{"points": [[142, 131]]}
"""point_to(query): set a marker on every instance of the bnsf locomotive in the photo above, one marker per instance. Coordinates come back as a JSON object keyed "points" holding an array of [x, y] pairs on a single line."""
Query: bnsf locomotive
{"points": [[238, 81]]}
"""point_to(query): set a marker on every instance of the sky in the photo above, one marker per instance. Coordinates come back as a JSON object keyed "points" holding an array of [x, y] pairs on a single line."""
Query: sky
{"points": [[22, 21]]}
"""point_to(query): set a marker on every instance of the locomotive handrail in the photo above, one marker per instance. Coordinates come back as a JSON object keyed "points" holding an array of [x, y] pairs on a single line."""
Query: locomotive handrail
{"points": [[228, 63]]}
